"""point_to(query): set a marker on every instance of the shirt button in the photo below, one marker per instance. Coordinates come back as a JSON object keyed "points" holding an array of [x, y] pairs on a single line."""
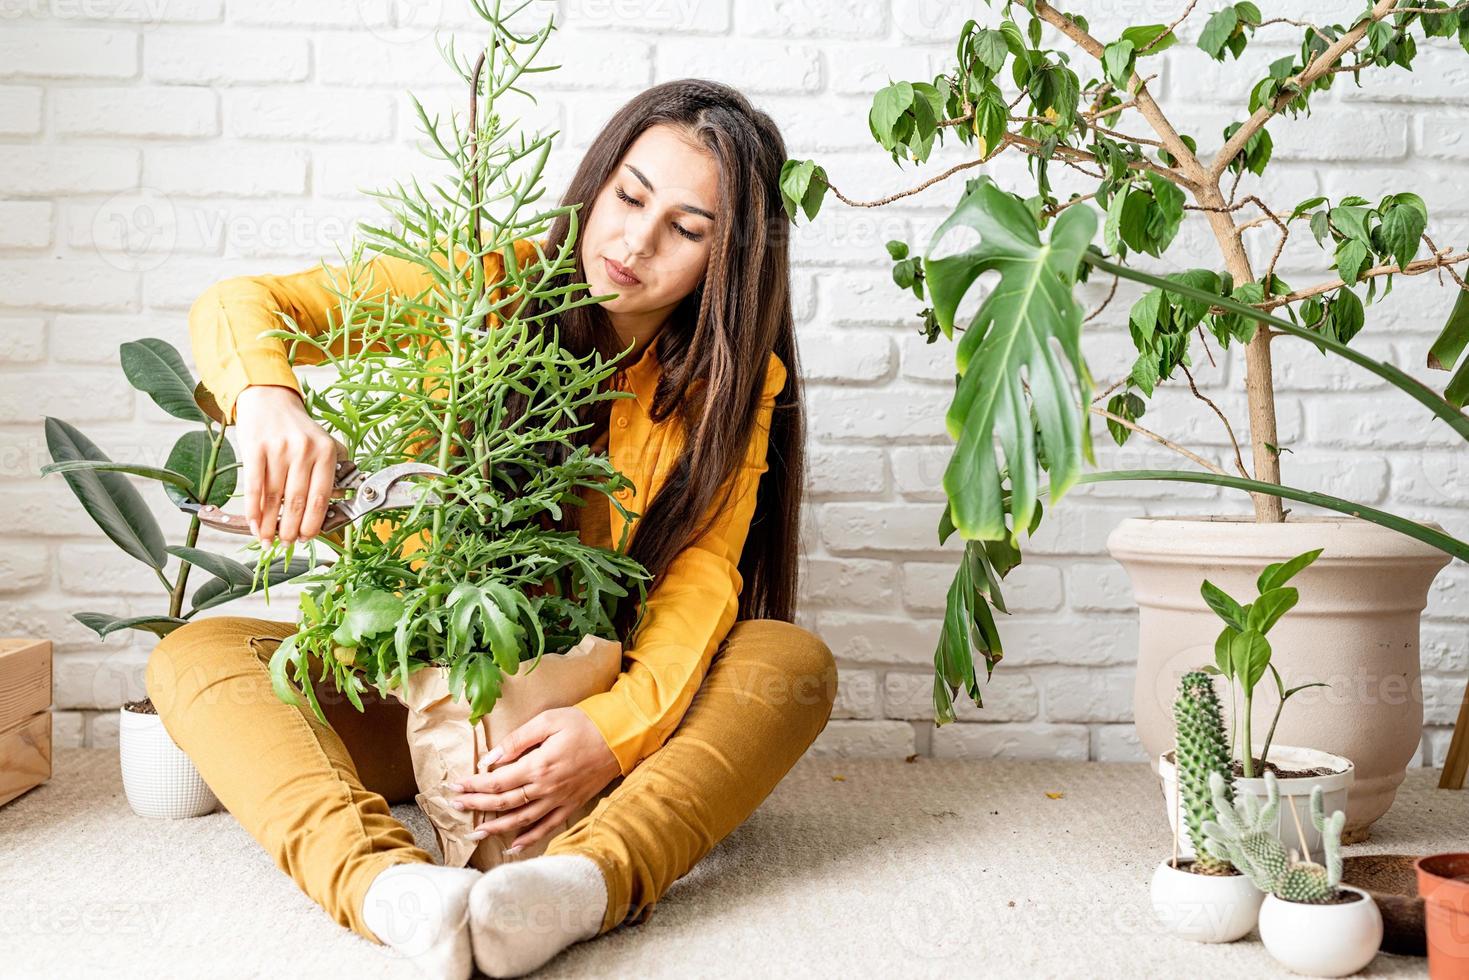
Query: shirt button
{"points": [[622, 421], [624, 493]]}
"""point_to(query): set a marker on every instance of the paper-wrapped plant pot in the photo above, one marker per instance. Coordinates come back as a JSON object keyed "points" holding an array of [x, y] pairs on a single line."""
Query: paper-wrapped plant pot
{"points": [[446, 748]]}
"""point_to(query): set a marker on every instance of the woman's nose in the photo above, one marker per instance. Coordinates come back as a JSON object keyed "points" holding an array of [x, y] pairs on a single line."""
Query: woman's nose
{"points": [[637, 234]]}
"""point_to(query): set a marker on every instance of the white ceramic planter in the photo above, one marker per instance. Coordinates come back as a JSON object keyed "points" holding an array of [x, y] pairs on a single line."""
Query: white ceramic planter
{"points": [[1335, 790], [1205, 908], [159, 779], [1322, 940], [1356, 628]]}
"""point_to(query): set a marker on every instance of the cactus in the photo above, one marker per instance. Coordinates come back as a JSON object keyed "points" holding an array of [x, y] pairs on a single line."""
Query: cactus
{"points": [[1202, 752], [1243, 833], [1330, 829], [1266, 854], [1304, 882]]}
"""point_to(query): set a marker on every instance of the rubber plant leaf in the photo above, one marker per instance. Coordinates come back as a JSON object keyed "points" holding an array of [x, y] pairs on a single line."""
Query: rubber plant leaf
{"points": [[102, 624], [217, 591], [190, 456], [107, 497], [155, 368]]}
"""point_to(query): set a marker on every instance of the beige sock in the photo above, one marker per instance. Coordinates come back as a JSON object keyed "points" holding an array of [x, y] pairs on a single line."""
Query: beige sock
{"points": [[421, 911], [523, 913]]}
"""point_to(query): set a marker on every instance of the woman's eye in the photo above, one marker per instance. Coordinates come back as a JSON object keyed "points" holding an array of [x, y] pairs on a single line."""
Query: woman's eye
{"points": [[637, 204]]}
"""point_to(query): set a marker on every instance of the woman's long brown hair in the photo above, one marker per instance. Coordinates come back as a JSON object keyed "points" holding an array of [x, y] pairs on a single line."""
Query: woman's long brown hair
{"points": [[715, 348]]}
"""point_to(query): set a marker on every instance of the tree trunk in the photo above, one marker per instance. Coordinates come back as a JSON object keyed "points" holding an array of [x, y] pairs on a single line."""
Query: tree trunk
{"points": [[1259, 383]]}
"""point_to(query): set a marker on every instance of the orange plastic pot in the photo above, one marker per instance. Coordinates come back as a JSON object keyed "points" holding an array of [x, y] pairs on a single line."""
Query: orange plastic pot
{"points": [[1443, 883]]}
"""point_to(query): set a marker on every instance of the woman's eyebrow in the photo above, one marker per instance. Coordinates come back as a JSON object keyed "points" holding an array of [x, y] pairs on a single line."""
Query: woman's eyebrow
{"points": [[682, 207]]}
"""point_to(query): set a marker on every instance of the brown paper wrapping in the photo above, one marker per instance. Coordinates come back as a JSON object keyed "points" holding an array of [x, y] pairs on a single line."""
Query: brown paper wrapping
{"points": [[446, 748]]}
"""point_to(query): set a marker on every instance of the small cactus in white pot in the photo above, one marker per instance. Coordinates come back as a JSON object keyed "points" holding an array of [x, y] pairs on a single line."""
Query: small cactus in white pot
{"points": [[1204, 899], [1310, 922]]}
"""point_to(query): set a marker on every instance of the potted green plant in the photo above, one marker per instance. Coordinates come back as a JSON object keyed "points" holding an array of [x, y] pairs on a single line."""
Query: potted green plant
{"points": [[1201, 895], [1242, 656], [471, 607], [1310, 922], [1024, 394], [158, 777]]}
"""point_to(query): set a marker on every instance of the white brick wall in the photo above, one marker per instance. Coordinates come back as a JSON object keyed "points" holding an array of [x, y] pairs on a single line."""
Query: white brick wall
{"points": [[246, 128]]}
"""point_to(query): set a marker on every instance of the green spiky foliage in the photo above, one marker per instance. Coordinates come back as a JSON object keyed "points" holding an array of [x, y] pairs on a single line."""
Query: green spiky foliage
{"points": [[468, 375], [1243, 831], [1265, 853], [1202, 751], [1304, 882]]}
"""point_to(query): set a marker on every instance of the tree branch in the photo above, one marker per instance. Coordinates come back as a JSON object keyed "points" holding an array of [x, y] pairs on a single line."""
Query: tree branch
{"points": [[1317, 68], [1193, 172], [1181, 18], [1195, 457], [1239, 461], [1412, 269]]}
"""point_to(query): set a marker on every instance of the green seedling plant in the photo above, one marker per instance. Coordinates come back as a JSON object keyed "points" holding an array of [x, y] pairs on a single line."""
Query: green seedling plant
{"points": [[1024, 395], [199, 469], [468, 376], [1242, 653]]}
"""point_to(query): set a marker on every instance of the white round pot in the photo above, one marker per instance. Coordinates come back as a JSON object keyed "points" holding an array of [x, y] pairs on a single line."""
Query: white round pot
{"points": [[1204, 908], [1355, 628], [1296, 790], [1322, 940], [159, 779]]}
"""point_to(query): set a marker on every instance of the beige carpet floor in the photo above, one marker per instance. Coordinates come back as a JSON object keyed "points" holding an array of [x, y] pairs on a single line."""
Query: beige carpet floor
{"points": [[852, 868]]}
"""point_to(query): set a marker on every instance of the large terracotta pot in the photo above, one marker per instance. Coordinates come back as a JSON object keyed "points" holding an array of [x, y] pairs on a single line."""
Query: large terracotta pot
{"points": [[1356, 628]]}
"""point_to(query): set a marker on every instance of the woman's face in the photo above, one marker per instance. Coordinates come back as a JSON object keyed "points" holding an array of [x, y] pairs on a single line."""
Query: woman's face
{"points": [[653, 219]]}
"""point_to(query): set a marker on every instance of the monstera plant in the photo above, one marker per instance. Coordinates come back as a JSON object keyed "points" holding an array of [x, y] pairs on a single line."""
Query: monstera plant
{"points": [[1023, 392]]}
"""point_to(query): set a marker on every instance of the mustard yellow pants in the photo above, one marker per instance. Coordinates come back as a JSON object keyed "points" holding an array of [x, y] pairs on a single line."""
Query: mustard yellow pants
{"points": [[316, 796]]}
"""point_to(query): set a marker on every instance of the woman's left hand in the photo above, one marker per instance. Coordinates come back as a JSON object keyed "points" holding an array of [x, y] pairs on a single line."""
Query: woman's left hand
{"points": [[557, 761]]}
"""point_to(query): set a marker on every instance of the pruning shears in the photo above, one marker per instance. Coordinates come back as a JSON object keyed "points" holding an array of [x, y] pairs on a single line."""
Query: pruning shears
{"points": [[356, 494]]}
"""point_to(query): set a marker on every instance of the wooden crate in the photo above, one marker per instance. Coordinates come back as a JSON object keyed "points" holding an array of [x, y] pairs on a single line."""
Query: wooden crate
{"points": [[25, 756], [25, 715]]}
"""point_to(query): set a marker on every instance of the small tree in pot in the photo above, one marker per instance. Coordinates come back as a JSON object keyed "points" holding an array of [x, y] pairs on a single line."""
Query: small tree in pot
{"points": [[200, 469], [1024, 393]]}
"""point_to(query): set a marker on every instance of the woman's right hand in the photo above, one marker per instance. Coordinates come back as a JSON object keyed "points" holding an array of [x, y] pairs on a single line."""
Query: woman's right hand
{"points": [[289, 464]]}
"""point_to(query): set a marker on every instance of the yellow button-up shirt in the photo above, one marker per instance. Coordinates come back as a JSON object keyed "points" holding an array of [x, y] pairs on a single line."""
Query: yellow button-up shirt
{"points": [[689, 609]]}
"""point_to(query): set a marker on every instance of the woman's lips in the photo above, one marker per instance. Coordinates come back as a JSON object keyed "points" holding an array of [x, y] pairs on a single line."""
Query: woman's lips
{"points": [[619, 274]]}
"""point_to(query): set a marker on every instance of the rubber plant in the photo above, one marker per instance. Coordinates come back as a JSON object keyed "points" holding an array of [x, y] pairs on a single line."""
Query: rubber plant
{"points": [[200, 468], [1024, 394], [468, 376]]}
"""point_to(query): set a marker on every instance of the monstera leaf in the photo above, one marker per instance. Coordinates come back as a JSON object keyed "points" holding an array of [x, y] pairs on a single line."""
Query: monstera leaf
{"points": [[1013, 360]]}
